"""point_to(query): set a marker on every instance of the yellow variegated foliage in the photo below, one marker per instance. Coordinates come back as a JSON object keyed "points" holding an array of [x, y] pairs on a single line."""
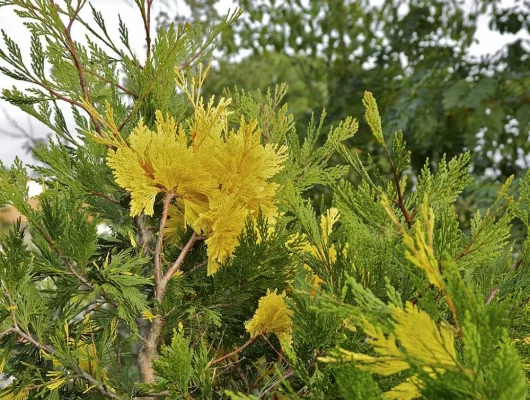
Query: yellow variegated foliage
{"points": [[415, 338], [406, 390], [89, 360], [155, 162], [218, 176], [421, 250], [21, 395], [272, 317], [420, 246], [56, 379], [330, 218], [323, 251]]}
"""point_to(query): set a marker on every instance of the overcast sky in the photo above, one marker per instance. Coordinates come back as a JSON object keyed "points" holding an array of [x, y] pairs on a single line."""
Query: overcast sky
{"points": [[489, 42]]}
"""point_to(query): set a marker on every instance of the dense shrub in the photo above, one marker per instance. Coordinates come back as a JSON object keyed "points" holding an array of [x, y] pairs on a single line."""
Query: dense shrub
{"points": [[217, 277]]}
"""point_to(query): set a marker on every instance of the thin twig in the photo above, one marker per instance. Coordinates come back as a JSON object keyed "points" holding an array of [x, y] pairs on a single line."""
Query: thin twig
{"points": [[468, 249], [147, 25], [400, 201], [177, 264], [88, 310], [114, 83], [239, 349], [71, 268], [154, 80], [195, 268], [273, 386], [7, 332], [57, 250], [12, 306], [77, 62], [103, 196], [280, 355], [493, 292]]}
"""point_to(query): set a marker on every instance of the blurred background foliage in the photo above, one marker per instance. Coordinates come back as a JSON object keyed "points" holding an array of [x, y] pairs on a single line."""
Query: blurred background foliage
{"points": [[414, 55]]}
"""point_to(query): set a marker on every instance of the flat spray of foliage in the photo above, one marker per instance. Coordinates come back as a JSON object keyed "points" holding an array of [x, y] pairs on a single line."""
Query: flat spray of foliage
{"points": [[217, 278]]}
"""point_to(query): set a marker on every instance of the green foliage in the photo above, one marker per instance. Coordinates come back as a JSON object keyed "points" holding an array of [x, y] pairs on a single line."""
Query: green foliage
{"points": [[174, 365]]}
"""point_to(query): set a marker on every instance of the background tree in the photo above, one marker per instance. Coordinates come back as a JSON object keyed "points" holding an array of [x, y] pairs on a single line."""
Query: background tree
{"points": [[414, 55]]}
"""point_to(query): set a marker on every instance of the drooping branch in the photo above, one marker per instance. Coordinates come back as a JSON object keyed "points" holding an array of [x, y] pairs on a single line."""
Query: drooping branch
{"points": [[57, 250], [71, 268]]}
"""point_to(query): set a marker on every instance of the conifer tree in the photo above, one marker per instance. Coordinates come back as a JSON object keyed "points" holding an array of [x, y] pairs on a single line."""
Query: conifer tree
{"points": [[217, 277]]}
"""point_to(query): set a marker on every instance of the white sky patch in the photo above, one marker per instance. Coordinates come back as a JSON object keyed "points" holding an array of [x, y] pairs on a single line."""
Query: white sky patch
{"points": [[34, 188], [103, 230]]}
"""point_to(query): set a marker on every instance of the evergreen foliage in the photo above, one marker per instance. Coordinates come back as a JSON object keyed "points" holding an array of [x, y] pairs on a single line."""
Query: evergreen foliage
{"points": [[218, 277]]}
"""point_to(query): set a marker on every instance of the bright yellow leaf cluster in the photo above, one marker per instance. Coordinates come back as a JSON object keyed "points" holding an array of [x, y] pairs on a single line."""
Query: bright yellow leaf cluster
{"points": [[153, 162], [420, 340], [218, 176], [272, 316]]}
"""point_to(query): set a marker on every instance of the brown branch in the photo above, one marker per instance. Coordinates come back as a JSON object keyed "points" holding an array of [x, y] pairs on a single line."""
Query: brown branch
{"points": [[12, 306], [400, 202], [77, 62], [273, 386], [113, 83], [177, 264], [152, 395], [107, 42], [239, 349], [160, 244], [148, 352], [493, 292], [89, 309], [59, 95], [467, 250], [33, 341], [195, 268], [147, 25], [7, 332], [278, 352], [78, 370], [287, 376], [104, 196], [186, 64]]}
